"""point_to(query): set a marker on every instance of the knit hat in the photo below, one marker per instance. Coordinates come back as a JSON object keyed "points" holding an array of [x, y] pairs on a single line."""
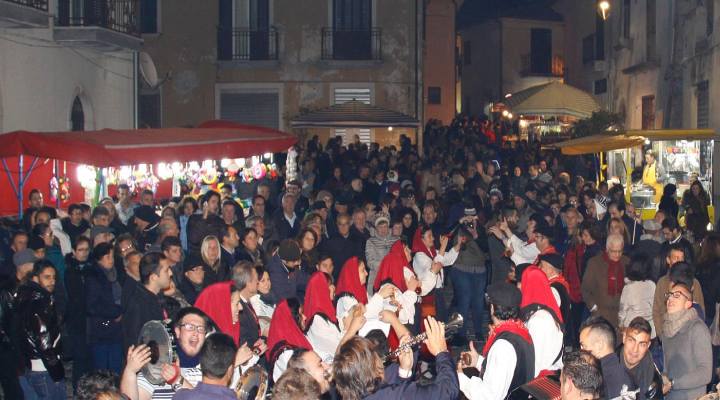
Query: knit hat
{"points": [[504, 294], [289, 250], [554, 259], [147, 214], [191, 262], [381, 219], [23, 257]]}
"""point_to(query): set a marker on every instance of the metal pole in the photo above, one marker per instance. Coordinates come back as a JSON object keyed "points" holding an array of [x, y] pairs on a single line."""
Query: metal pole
{"points": [[21, 184]]}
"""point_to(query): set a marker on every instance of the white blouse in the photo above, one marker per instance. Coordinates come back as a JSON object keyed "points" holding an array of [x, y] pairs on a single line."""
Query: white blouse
{"points": [[373, 308], [261, 308], [324, 336], [281, 364], [547, 340], [422, 264]]}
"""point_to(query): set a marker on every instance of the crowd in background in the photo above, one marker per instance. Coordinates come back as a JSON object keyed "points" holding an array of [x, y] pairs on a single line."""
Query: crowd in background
{"points": [[352, 254]]}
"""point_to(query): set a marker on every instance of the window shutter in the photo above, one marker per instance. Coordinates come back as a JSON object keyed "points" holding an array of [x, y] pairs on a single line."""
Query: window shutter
{"points": [[260, 109]]}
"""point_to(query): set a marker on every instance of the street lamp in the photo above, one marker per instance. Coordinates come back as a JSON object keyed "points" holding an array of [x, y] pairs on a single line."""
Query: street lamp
{"points": [[603, 8]]}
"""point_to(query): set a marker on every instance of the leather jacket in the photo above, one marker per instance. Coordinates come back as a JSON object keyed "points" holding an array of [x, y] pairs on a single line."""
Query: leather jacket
{"points": [[8, 290], [39, 329]]}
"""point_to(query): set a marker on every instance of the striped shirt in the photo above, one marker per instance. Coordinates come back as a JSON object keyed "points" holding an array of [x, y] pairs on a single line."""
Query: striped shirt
{"points": [[158, 392]]}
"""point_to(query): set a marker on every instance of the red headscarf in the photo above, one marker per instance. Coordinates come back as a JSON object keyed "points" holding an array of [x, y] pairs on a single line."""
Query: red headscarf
{"points": [[391, 267], [317, 298], [349, 281], [419, 247], [214, 300], [283, 328], [616, 275], [536, 290]]}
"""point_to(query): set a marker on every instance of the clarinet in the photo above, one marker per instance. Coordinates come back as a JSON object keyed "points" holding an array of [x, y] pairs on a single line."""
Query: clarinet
{"points": [[455, 322]]}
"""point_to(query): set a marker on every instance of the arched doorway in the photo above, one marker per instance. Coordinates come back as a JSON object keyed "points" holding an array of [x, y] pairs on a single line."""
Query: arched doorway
{"points": [[77, 115]]}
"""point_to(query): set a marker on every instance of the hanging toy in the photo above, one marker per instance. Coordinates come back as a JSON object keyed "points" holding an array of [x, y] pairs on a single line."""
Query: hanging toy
{"points": [[54, 186], [259, 171], [64, 185]]}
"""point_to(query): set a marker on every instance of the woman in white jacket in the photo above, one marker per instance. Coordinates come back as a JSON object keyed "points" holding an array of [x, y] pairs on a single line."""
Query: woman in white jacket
{"points": [[638, 293]]}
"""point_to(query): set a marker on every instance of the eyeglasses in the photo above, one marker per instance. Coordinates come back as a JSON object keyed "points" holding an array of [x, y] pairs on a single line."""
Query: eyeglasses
{"points": [[126, 248], [676, 295], [193, 328]]}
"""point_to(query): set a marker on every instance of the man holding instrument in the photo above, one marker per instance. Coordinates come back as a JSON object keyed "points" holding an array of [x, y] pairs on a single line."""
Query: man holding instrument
{"points": [[508, 358]]}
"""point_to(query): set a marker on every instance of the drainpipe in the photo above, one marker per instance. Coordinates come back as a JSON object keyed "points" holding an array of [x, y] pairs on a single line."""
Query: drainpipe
{"points": [[135, 60], [418, 80]]}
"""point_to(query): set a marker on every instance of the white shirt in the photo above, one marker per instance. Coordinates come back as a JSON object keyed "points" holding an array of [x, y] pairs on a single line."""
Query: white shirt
{"points": [[372, 312], [281, 364], [324, 336], [522, 252], [422, 264], [499, 371], [261, 308], [547, 339], [192, 375], [290, 220]]}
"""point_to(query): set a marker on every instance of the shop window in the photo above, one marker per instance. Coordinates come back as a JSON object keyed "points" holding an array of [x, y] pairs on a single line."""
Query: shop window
{"points": [[434, 95]]}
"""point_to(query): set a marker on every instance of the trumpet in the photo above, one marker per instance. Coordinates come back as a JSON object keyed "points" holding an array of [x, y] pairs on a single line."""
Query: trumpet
{"points": [[456, 321]]}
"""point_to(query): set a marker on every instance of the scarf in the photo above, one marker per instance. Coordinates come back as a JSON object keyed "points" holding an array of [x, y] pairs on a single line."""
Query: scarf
{"points": [[186, 361], [215, 302], [561, 280], [419, 247], [349, 281], [514, 326], [616, 275], [536, 290], [674, 322], [283, 328], [391, 268], [317, 299]]}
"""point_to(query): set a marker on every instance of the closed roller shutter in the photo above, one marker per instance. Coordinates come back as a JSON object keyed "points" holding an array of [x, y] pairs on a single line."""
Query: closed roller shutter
{"points": [[260, 109], [345, 95]]}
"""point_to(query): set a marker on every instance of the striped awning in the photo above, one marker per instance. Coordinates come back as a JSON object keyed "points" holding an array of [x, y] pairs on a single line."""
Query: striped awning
{"points": [[552, 99], [354, 114]]}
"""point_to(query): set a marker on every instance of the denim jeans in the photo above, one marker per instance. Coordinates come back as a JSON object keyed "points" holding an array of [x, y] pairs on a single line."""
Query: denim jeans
{"points": [[107, 356], [469, 293], [40, 386]]}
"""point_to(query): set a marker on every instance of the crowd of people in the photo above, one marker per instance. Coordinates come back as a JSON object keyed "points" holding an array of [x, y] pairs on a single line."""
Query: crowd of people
{"points": [[330, 275]]}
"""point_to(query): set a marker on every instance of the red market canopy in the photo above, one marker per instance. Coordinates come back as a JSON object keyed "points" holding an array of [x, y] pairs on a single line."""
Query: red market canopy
{"points": [[212, 140]]}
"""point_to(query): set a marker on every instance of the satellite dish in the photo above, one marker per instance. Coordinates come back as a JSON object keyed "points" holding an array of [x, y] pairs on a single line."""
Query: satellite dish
{"points": [[148, 70]]}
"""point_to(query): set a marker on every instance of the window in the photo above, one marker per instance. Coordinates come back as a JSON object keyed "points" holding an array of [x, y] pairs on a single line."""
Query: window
{"points": [[352, 36], [710, 11], [343, 95], [626, 19], [149, 109], [650, 37], [77, 116], [648, 112], [467, 52], [244, 31], [434, 95], [540, 51], [149, 16], [703, 104], [253, 107], [599, 37], [588, 49], [600, 86]]}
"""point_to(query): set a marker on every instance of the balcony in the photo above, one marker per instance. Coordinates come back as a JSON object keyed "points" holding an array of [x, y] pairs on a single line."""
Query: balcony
{"points": [[106, 25], [23, 13], [247, 44], [352, 45]]}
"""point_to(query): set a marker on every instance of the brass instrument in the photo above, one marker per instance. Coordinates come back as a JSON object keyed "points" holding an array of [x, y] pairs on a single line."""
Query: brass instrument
{"points": [[456, 321], [252, 385]]}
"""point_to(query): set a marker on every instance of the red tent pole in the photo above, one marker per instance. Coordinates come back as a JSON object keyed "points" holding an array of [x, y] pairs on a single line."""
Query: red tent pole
{"points": [[22, 177], [12, 182]]}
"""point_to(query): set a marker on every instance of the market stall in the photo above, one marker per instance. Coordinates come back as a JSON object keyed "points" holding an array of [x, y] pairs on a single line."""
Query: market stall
{"points": [[643, 161], [141, 156]]}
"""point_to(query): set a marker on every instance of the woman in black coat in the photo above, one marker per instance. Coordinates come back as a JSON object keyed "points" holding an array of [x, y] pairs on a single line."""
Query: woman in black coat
{"points": [[104, 311]]}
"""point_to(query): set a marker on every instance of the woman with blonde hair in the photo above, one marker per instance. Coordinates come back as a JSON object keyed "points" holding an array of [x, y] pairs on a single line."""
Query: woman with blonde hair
{"points": [[210, 254]]}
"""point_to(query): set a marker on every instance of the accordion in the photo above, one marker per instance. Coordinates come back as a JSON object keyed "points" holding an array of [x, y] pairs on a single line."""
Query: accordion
{"points": [[541, 388]]}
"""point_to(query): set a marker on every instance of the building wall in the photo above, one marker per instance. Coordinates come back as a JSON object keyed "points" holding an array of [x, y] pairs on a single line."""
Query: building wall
{"points": [[188, 48], [439, 58], [498, 48], [39, 80]]}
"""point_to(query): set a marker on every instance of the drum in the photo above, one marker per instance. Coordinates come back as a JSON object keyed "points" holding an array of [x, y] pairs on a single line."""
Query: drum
{"points": [[160, 339]]}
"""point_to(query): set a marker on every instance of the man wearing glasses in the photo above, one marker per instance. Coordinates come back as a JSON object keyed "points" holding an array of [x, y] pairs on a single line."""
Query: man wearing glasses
{"points": [[687, 350], [190, 328]]}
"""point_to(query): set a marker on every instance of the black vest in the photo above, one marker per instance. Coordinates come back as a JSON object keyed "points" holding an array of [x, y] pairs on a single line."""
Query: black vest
{"points": [[525, 365], [564, 309]]}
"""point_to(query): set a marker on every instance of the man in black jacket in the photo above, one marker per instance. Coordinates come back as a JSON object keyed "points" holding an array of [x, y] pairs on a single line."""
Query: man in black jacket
{"points": [[635, 356], [205, 224], [245, 279], [286, 221], [155, 276], [39, 328], [342, 245]]}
